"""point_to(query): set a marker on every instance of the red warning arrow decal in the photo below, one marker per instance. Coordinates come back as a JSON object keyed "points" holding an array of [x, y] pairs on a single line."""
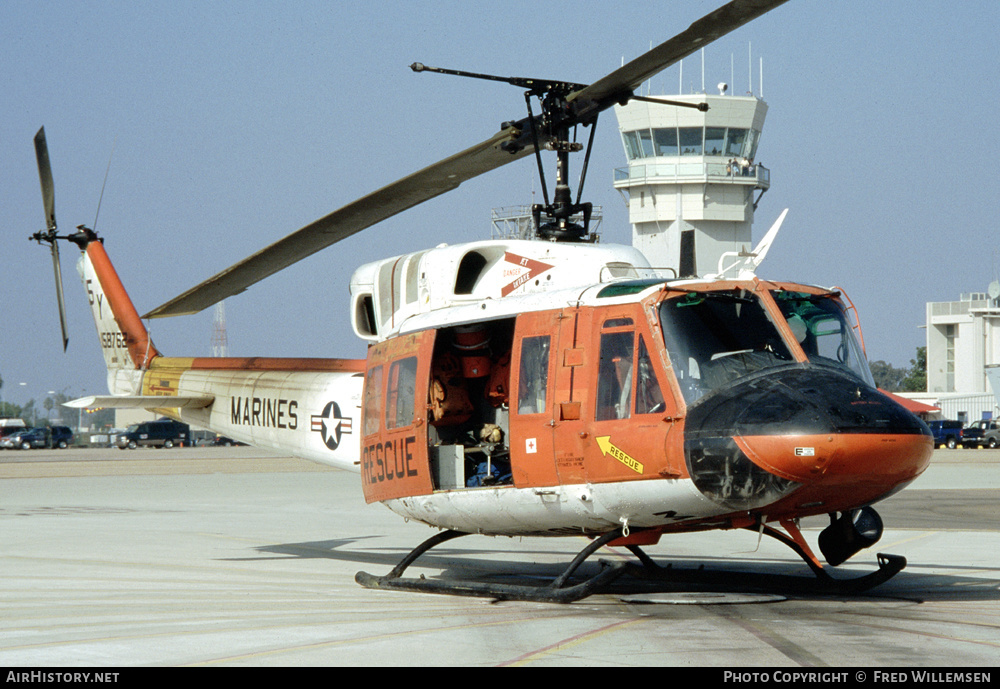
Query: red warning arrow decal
{"points": [[530, 265]]}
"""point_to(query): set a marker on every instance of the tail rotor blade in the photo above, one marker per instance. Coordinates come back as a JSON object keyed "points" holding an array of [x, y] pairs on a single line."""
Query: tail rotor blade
{"points": [[45, 175], [49, 201], [59, 293]]}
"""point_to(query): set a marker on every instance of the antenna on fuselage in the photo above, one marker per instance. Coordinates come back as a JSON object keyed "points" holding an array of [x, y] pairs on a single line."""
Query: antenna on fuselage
{"points": [[748, 266]]}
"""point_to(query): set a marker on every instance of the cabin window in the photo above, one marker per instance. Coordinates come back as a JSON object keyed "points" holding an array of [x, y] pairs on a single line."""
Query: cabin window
{"points": [[819, 324], [714, 338], [402, 393], [533, 382], [373, 400], [614, 381], [648, 396]]}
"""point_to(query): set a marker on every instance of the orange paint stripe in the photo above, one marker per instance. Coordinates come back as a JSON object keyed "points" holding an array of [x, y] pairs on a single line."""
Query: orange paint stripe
{"points": [[139, 346], [275, 364], [567, 643]]}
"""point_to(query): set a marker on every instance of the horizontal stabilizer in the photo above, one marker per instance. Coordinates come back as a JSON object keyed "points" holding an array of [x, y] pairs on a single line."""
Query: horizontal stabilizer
{"points": [[140, 402]]}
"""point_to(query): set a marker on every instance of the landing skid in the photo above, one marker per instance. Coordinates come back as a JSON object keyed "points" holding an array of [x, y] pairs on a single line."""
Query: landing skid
{"points": [[558, 592], [888, 565], [555, 592]]}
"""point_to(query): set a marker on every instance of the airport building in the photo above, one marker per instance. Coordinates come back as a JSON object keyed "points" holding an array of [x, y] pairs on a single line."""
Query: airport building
{"points": [[963, 343]]}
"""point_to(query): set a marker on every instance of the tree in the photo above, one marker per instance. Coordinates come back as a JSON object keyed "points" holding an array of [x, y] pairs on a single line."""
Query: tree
{"points": [[916, 379], [29, 414], [887, 377]]}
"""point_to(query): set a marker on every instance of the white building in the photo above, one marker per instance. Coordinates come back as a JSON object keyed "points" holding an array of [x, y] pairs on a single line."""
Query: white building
{"points": [[963, 339]]}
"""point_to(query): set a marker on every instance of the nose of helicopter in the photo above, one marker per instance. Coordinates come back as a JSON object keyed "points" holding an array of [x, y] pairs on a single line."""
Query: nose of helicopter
{"points": [[815, 432]]}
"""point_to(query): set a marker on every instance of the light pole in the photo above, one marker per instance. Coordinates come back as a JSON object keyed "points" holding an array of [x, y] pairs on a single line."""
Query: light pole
{"points": [[79, 419]]}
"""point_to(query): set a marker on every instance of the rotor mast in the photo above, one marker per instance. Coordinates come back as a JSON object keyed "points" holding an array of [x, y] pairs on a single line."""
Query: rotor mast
{"points": [[549, 130]]}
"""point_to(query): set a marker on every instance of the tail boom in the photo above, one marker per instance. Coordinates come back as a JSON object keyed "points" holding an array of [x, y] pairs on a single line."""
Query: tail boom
{"points": [[309, 408]]}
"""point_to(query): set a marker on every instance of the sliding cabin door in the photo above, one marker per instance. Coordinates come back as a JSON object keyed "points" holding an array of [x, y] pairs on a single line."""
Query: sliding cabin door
{"points": [[532, 400]]}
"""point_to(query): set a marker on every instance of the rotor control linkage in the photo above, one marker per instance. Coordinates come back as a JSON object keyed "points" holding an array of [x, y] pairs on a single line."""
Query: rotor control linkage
{"points": [[537, 86], [550, 130]]}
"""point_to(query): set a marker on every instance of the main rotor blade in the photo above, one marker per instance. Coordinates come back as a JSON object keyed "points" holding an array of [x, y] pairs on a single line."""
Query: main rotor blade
{"points": [[623, 81], [449, 173], [59, 293], [45, 176], [352, 218]]}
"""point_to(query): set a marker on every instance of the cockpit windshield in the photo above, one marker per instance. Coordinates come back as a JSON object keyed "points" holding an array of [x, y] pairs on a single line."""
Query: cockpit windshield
{"points": [[713, 338], [820, 325]]}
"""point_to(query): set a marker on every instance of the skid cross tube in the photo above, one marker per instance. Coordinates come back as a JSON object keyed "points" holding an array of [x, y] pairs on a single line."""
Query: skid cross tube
{"points": [[555, 592]]}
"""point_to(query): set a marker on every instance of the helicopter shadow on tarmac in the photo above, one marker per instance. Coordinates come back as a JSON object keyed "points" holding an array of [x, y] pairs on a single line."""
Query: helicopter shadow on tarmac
{"points": [[678, 574]]}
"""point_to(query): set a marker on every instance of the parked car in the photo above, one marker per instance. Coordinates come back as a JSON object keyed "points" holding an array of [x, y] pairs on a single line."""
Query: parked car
{"points": [[990, 433], [162, 433], [12, 441], [972, 436], [222, 441], [60, 436], [56, 436], [946, 432]]}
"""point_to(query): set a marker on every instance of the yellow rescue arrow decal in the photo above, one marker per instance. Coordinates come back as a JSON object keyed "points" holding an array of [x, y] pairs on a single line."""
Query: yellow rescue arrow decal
{"points": [[608, 448]]}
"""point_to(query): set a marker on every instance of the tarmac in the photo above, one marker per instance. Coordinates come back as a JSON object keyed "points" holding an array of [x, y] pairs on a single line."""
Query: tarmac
{"points": [[236, 557]]}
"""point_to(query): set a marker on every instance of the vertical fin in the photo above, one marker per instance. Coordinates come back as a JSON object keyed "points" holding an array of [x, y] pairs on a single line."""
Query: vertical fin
{"points": [[124, 339]]}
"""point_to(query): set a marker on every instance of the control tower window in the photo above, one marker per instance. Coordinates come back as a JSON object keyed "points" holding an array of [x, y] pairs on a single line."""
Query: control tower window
{"points": [[751, 148], [691, 140], [734, 142], [632, 150], [665, 141], [646, 141], [715, 138]]}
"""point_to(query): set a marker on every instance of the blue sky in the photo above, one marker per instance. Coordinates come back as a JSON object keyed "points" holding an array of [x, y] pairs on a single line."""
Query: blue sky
{"points": [[235, 123]]}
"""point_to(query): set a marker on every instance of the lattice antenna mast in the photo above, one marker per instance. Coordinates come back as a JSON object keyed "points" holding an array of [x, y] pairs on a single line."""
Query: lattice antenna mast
{"points": [[220, 343]]}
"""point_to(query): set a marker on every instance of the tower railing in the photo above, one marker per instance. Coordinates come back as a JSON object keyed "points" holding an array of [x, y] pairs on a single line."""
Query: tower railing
{"points": [[758, 175]]}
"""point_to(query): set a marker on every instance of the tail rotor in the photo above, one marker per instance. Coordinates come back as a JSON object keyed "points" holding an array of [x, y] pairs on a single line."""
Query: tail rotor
{"points": [[49, 234]]}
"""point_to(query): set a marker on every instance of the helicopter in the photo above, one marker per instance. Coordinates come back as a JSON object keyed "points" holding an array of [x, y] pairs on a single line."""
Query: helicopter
{"points": [[547, 387]]}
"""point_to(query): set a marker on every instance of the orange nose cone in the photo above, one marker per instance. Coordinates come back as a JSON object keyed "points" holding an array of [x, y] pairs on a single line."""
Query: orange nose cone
{"points": [[858, 468]]}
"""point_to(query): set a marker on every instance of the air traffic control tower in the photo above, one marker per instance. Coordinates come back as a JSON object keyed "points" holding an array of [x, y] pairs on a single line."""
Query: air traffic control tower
{"points": [[692, 180]]}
